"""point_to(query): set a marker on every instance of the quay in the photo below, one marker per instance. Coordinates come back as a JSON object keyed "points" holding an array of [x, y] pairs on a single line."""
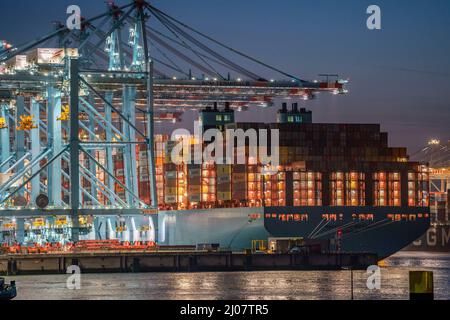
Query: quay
{"points": [[130, 262]]}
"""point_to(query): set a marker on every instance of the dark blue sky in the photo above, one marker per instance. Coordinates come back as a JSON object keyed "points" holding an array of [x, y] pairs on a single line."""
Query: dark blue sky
{"points": [[400, 76]]}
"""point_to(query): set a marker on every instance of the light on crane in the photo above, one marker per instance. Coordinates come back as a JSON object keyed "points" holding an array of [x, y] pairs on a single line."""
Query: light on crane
{"points": [[434, 142], [65, 114], [3, 124], [26, 123]]}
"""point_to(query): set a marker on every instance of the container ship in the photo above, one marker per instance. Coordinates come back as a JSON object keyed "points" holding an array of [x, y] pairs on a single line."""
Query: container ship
{"points": [[437, 238], [336, 183], [339, 183]]}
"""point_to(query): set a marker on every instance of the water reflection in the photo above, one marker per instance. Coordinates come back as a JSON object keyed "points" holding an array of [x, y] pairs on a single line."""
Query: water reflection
{"points": [[241, 285]]}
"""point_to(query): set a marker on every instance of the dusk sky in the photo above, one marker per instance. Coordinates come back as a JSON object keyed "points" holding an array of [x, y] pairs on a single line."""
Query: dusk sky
{"points": [[400, 75]]}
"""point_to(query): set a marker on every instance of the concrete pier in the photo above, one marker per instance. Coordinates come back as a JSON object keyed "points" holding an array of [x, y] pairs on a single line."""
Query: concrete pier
{"points": [[179, 262]]}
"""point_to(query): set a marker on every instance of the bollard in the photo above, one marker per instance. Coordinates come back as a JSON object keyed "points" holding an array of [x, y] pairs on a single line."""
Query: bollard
{"points": [[421, 286]]}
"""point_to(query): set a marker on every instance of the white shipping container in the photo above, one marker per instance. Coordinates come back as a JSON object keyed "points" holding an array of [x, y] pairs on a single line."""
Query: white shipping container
{"points": [[17, 63], [50, 55]]}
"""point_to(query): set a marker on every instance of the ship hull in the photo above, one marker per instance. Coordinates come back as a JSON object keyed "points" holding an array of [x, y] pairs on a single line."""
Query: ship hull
{"points": [[436, 239], [236, 228]]}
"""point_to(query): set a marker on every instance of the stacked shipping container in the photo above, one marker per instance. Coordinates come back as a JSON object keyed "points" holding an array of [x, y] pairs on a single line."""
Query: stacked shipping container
{"points": [[320, 164]]}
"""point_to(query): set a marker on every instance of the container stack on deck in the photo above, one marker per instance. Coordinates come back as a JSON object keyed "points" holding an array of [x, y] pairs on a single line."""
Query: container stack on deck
{"points": [[320, 164]]}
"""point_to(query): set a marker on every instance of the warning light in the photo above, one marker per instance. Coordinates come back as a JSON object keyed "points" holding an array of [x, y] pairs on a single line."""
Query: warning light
{"points": [[65, 114], [26, 123], [3, 124]]}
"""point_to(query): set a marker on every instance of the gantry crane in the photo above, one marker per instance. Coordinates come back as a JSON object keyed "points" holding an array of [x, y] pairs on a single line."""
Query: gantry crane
{"points": [[87, 104], [437, 155]]}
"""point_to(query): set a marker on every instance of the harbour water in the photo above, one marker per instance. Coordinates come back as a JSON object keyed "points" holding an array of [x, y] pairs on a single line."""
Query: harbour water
{"points": [[284, 285]]}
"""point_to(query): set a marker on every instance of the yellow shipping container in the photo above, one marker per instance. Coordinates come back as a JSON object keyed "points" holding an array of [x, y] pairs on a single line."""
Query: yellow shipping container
{"points": [[9, 226], [171, 191], [39, 222], [61, 221], [224, 169]]}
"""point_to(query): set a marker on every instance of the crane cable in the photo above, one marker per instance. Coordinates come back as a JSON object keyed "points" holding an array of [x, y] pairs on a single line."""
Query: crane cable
{"points": [[162, 21], [151, 34], [225, 46], [213, 53]]}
